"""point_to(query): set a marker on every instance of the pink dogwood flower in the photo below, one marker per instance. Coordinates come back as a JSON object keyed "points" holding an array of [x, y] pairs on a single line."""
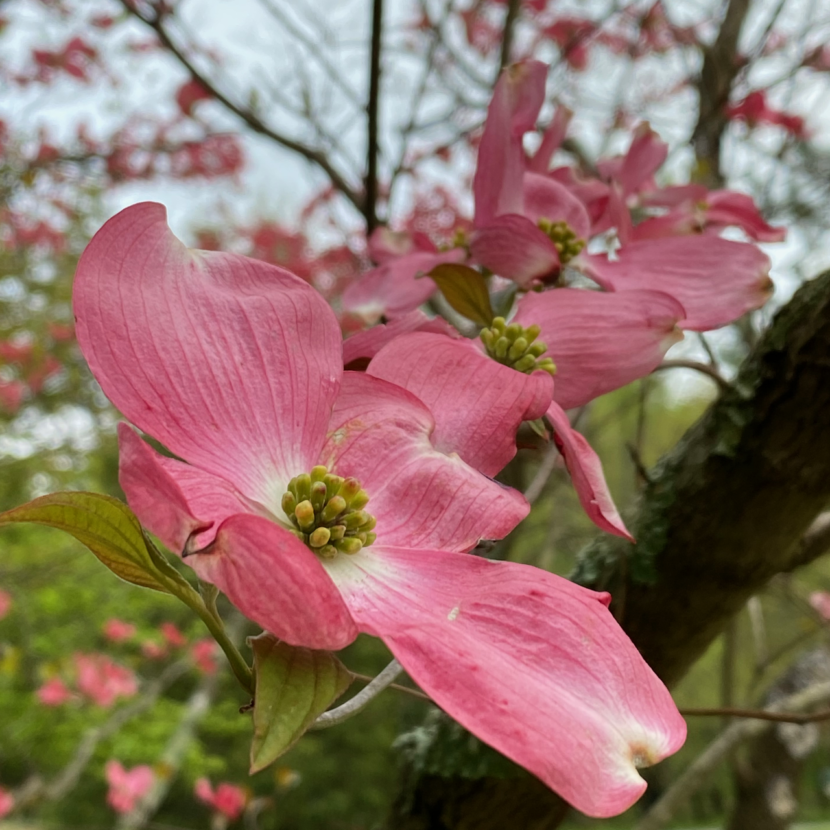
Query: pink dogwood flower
{"points": [[102, 680], [126, 787], [227, 799], [319, 502], [117, 631], [204, 653], [396, 285], [528, 226], [5, 603], [53, 692], [172, 636], [6, 803]]}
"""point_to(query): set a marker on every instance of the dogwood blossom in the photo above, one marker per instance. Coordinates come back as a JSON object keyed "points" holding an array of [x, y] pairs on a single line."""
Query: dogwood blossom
{"points": [[322, 505]]}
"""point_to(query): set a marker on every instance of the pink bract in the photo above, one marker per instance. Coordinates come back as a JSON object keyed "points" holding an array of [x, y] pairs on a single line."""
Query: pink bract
{"points": [[5, 603], [117, 631], [102, 680], [126, 787], [227, 799], [6, 803], [53, 692], [237, 367]]}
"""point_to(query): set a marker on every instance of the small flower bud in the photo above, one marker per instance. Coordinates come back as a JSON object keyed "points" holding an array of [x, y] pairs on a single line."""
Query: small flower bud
{"points": [[517, 349], [360, 500], [525, 364], [318, 473], [352, 521], [302, 484], [349, 545], [513, 331], [532, 332], [318, 495], [305, 515], [328, 551], [288, 502], [349, 489], [333, 509], [319, 537], [333, 483], [370, 537], [337, 532], [501, 347]]}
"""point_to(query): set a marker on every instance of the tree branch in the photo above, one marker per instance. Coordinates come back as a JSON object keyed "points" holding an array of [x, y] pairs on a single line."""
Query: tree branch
{"points": [[250, 118], [720, 67], [512, 15], [371, 184]]}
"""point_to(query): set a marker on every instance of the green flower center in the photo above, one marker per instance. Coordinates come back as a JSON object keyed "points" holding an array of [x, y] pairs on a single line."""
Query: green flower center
{"points": [[564, 239], [327, 513], [517, 347]]}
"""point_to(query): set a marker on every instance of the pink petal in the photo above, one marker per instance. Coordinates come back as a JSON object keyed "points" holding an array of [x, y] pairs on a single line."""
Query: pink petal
{"points": [[517, 99], [396, 287], [644, 158], [419, 496], [231, 363], [532, 664], [364, 345], [545, 198], [513, 247], [725, 208], [272, 577], [716, 280], [477, 403], [586, 473], [601, 341], [277, 582], [551, 140]]}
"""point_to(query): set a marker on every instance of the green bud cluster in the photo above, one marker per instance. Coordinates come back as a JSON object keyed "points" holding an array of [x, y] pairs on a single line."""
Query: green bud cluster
{"points": [[564, 239], [328, 514], [517, 347]]}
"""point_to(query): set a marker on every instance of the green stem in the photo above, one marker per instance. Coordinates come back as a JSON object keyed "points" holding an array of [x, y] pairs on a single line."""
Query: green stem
{"points": [[238, 664]]}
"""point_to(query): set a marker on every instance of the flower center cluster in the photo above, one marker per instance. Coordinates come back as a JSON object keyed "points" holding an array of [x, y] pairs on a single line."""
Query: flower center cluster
{"points": [[564, 239], [327, 512], [517, 347]]}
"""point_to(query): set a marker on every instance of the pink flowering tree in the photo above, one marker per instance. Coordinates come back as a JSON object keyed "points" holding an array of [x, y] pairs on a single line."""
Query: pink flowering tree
{"points": [[335, 427]]}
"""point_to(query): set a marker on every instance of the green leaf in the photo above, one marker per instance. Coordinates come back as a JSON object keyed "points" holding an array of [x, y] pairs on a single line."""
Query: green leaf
{"points": [[294, 686], [465, 290], [109, 529]]}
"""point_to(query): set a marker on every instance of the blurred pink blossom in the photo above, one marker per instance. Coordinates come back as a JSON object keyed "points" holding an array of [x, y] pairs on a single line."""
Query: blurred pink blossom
{"points": [[116, 631], [820, 600], [53, 692], [6, 802], [5, 603], [153, 650], [102, 680], [173, 636], [127, 786], [227, 799], [203, 653]]}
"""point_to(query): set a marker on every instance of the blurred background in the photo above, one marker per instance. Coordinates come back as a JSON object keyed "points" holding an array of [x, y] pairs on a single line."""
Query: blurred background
{"points": [[247, 119]]}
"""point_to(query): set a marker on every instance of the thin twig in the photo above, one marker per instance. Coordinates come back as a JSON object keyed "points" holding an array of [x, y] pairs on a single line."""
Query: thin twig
{"points": [[703, 368], [362, 699], [754, 714], [546, 466], [250, 118], [396, 686], [371, 182], [512, 15], [695, 775]]}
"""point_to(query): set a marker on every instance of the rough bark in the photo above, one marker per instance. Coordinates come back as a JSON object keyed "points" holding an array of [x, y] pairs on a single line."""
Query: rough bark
{"points": [[725, 511]]}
